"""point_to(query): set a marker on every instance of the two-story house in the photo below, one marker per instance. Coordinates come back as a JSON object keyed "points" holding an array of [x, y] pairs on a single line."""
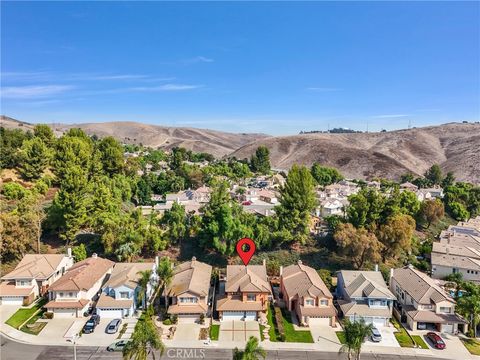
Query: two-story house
{"points": [[422, 303], [305, 294], [188, 290], [364, 294], [121, 294], [71, 295], [247, 293], [32, 277]]}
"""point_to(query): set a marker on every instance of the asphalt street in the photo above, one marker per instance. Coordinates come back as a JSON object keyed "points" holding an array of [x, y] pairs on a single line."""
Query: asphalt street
{"points": [[11, 350]]}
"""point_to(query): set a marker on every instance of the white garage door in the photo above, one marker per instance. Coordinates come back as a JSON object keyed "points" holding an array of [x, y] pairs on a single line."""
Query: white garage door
{"points": [[188, 318], [319, 321], [110, 313], [64, 313], [447, 328], [251, 315], [232, 315], [12, 300], [378, 322]]}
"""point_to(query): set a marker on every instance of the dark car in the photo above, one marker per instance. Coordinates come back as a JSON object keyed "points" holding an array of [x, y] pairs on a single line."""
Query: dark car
{"points": [[91, 324], [113, 326], [436, 340]]}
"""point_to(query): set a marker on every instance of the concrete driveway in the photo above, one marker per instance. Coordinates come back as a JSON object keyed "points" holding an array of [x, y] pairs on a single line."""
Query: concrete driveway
{"points": [[325, 336], [187, 332], [6, 311], [100, 337], [454, 347], [388, 337], [238, 331]]}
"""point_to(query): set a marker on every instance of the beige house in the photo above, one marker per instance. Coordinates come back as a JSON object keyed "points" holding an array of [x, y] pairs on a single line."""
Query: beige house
{"points": [[305, 294], [247, 292], [188, 290], [422, 304], [71, 295], [32, 277]]}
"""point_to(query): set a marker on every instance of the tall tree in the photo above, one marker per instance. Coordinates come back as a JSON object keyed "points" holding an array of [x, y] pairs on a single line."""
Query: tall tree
{"points": [[396, 235], [111, 155], [434, 174], [79, 252], [33, 210], [145, 341], [431, 211], [324, 175], [355, 334], [468, 305], [253, 351], [143, 281], [45, 133], [366, 208], [174, 221], [297, 201], [359, 245], [165, 275], [260, 161], [34, 158], [72, 151]]}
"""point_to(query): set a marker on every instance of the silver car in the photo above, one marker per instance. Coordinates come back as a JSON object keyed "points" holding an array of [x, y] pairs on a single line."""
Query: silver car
{"points": [[376, 336], [113, 326]]}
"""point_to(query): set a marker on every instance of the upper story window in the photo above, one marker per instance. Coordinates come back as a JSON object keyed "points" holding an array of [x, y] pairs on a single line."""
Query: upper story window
{"points": [[378, 302], [23, 282], [446, 310], [188, 300], [124, 295], [324, 302], [251, 297], [310, 302]]}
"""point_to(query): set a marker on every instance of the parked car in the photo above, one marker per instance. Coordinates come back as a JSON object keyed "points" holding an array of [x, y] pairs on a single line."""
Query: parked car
{"points": [[436, 340], [113, 326], [91, 324], [247, 203], [422, 326], [88, 312], [376, 336], [117, 346]]}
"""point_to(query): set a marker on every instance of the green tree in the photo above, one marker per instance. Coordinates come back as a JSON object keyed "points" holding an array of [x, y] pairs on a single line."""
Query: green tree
{"points": [[165, 275], [260, 161], [431, 211], [72, 151], [366, 207], [45, 133], [34, 158], [325, 175], [409, 204], [14, 191], [79, 252], [396, 235], [111, 155], [458, 211], [449, 179], [434, 174], [145, 341], [468, 305], [355, 334], [174, 221], [10, 142], [143, 282], [297, 201], [253, 351]]}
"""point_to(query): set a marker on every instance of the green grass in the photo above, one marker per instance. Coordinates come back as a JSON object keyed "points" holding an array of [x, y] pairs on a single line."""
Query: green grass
{"points": [[292, 335], [22, 315], [340, 336], [402, 336], [419, 341], [262, 337], [272, 332], [472, 345], [214, 332]]}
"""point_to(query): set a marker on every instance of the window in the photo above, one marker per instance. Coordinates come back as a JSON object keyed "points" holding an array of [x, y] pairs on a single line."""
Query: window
{"points": [[324, 302], [310, 302], [60, 294], [124, 295], [445, 310], [188, 300], [251, 297], [23, 283]]}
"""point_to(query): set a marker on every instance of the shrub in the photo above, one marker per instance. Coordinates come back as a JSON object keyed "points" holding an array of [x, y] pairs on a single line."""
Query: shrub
{"points": [[47, 315], [167, 322], [14, 191], [41, 187], [174, 318], [202, 319], [279, 321]]}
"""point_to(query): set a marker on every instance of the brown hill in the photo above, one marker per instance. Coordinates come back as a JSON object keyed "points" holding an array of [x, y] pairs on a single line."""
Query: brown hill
{"points": [[455, 147], [217, 143]]}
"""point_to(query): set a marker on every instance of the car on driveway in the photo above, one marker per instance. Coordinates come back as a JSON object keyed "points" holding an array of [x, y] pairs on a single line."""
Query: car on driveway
{"points": [[113, 326], [117, 345], [91, 324], [436, 340], [375, 336]]}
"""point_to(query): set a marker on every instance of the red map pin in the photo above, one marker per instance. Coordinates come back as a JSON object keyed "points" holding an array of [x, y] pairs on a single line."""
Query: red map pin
{"points": [[249, 247]]}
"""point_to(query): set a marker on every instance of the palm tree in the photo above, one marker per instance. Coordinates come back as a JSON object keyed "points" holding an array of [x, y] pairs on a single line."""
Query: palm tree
{"points": [[145, 341], [468, 305], [253, 351], [165, 275], [143, 282], [455, 280], [355, 334]]}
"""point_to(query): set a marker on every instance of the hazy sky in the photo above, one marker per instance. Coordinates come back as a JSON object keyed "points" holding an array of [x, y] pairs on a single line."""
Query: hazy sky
{"points": [[266, 67]]}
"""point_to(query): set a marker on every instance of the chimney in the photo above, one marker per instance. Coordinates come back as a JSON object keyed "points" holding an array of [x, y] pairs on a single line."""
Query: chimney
{"points": [[157, 261], [391, 273], [299, 262], [69, 252], [193, 259], [264, 262], [94, 255], [376, 267], [281, 270]]}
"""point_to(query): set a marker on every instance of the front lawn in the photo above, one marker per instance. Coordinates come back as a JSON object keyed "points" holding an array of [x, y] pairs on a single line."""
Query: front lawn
{"points": [[402, 336], [472, 345], [272, 333], [214, 332], [291, 335], [419, 341], [22, 315]]}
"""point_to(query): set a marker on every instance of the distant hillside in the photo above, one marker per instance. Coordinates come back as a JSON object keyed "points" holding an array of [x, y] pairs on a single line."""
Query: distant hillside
{"points": [[217, 143], [456, 147]]}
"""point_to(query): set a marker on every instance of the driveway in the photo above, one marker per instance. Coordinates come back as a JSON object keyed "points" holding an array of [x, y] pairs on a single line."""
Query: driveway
{"points": [[454, 347], [187, 332], [100, 337], [237, 330], [6, 311], [388, 337], [325, 336]]}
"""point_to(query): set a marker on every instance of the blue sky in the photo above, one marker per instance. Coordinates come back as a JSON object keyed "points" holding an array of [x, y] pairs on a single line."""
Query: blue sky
{"points": [[276, 68]]}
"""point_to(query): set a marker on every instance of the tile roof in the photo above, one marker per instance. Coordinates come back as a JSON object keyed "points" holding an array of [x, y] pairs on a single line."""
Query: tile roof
{"points": [[365, 284], [462, 257], [106, 301], [79, 304], [198, 308], [351, 308], [127, 274], [235, 304], [251, 278], [36, 266], [9, 289], [431, 316], [192, 276], [83, 275], [322, 311], [420, 286], [304, 281]]}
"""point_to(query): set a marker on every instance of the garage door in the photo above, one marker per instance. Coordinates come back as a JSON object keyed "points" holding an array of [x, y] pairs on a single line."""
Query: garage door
{"points": [[64, 313], [12, 300], [447, 328], [378, 322], [188, 318], [232, 315], [251, 315], [319, 321], [110, 313]]}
